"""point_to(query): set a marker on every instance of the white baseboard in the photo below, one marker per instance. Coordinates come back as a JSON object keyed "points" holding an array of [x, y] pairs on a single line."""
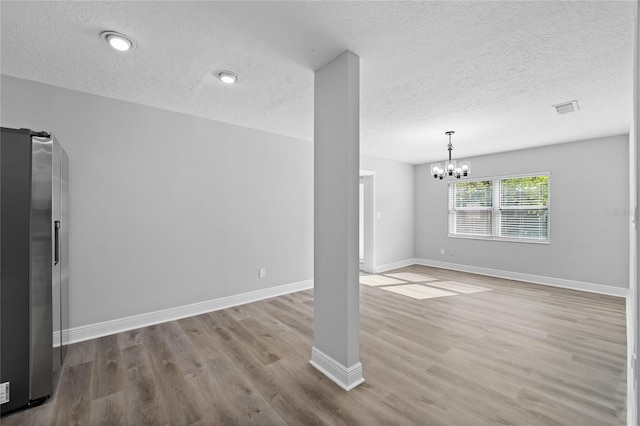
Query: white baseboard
{"points": [[536, 279], [91, 331], [345, 377], [395, 265]]}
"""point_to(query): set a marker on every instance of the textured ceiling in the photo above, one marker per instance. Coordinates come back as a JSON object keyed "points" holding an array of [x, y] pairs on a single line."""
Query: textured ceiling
{"points": [[488, 70]]}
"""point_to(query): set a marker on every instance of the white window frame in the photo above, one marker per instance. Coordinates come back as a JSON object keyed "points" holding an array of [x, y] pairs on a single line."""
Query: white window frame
{"points": [[496, 210]]}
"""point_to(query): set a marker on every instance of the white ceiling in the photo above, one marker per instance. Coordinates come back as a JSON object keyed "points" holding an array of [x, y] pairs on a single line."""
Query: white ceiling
{"points": [[488, 70]]}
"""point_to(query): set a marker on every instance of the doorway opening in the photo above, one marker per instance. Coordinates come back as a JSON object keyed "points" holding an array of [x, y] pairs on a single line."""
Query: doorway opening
{"points": [[367, 222]]}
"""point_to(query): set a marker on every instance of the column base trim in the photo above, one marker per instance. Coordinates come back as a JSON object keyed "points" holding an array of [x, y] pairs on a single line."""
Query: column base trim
{"points": [[345, 377]]}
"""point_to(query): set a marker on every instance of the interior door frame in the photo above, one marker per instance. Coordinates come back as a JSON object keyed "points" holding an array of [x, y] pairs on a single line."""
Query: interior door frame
{"points": [[369, 261]]}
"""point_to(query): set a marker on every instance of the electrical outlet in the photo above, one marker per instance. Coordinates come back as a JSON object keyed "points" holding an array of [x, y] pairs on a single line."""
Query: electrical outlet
{"points": [[442, 251], [262, 272]]}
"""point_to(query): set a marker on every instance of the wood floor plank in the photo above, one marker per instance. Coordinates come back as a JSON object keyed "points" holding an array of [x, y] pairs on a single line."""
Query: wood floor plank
{"points": [[129, 338], [142, 399], [247, 404], [228, 329], [188, 357], [201, 340], [73, 404], [107, 374], [81, 353], [564, 411], [108, 410], [215, 411], [520, 354], [174, 393]]}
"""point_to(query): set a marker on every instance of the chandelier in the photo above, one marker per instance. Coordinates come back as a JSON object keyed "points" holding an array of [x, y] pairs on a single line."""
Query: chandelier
{"points": [[462, 168]]}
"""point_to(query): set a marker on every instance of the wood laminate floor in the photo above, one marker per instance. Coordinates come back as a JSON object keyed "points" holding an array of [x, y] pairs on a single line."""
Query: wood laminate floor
{"points": [[520, 354]]}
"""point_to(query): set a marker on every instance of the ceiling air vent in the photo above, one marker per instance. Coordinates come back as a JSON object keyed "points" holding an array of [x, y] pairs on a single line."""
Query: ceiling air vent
{"points": [[566, 107]]}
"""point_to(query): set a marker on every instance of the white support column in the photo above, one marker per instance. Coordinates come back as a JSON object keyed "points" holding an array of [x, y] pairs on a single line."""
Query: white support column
{"points": [[336, 325]]}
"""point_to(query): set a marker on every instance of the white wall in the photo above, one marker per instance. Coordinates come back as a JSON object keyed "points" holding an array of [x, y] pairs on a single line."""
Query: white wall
{"points": [[589, 201], [169, 209], [394, 198], [633, 402]]}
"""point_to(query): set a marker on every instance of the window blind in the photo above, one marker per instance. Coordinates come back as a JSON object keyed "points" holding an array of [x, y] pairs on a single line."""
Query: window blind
{"points": [[530, 224]]}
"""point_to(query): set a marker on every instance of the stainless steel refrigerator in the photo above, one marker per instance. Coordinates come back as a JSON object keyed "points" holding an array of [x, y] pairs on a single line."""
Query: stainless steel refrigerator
{"points": [[34, 265]]}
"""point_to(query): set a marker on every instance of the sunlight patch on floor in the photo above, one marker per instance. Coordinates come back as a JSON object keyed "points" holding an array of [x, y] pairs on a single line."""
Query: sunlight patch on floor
{"points": [[377, 280], [418, 291], [419, 286], [411, 277], [459, 287]]}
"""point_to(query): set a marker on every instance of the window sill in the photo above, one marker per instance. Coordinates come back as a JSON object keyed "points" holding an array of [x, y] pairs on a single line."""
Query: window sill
{"points": [[509, 240]]}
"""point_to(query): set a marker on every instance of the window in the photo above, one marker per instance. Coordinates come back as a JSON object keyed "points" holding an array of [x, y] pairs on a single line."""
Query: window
{"points": [[524, 208], [470, 211], [505, 208]]}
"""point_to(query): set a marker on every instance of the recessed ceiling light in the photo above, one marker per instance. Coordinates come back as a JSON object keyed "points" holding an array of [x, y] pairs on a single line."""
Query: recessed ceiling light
{"points": [[227, 77], [118, 41]]}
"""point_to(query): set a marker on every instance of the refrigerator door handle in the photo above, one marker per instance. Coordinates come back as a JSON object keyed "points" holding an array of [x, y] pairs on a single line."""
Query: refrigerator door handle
{"points": [[56, 244]]}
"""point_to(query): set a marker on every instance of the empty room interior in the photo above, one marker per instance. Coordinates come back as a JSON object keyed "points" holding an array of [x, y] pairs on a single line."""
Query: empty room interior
{"points": [[340, 213]]}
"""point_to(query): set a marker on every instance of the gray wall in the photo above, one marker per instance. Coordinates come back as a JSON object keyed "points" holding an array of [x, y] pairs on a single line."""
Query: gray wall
{"points": [[589, 199], [394, 197], [169, 209]]}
